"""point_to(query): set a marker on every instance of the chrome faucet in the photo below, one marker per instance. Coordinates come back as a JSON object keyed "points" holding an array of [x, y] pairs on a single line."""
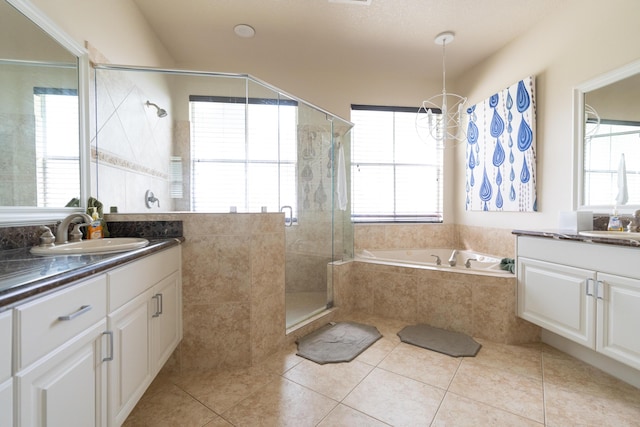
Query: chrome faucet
{"points": [[62, 233], [452, 258], [467, 263]]}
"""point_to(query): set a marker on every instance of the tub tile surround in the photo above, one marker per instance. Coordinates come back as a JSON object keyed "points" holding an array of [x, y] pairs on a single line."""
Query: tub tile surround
{"points": [[480, 306], [491, 241]]}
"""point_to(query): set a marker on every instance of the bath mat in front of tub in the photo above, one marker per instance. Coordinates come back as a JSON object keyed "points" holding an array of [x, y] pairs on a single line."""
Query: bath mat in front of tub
{"points": [[337, 342], [454, 344]]}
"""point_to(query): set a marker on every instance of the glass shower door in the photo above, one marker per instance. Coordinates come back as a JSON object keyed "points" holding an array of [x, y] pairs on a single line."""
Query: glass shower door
{"points": [[309, 236]]}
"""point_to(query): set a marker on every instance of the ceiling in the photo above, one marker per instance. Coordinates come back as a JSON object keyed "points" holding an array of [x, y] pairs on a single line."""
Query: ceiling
{"points": [[388, 36]]}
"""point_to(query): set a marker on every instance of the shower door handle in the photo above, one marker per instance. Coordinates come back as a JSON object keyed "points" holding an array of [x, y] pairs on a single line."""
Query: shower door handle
{"points": [[288, 222]]}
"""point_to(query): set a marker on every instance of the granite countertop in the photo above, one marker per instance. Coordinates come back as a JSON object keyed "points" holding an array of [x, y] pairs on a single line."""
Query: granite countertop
{"points": [[563, 235], [24, 276]]}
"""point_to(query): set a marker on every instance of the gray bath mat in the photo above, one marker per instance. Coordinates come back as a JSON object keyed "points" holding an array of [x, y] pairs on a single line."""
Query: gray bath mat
{"points": [[337, 342], [452, 343]]}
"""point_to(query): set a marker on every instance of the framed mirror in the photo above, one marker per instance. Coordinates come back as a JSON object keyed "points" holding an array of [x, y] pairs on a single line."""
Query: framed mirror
{"points": [[43, 116], [607, 142]]}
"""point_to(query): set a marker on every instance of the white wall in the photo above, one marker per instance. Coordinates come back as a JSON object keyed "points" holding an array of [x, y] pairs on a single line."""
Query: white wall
{"points": [[114, 27], [566, 49]]}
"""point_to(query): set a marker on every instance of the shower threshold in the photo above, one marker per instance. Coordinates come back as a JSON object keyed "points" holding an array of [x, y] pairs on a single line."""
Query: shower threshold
{"points": [[300, 306]]}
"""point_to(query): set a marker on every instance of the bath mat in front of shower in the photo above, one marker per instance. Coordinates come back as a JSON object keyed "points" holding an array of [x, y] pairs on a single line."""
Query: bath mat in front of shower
{"points": [[337, 342], [454, 344]]}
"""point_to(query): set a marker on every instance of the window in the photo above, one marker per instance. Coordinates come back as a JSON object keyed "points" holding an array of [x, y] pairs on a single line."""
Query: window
{"points": [[602, 152], [57, 157], [396, 176], [242, 154]]}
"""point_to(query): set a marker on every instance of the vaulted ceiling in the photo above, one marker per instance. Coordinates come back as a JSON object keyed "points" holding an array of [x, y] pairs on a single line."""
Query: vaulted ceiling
{"points": [[390, 36]]}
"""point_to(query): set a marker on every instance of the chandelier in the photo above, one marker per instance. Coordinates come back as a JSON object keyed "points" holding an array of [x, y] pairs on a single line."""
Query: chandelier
{"points": [[440, 117]]}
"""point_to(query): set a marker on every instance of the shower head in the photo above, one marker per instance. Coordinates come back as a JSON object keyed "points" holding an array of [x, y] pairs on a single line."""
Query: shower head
{"points": [[161, 112]]}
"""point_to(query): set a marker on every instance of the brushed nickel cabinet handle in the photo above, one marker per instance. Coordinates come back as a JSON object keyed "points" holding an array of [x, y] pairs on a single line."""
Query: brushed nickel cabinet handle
{"points": [[110, 357], [81, 310]]}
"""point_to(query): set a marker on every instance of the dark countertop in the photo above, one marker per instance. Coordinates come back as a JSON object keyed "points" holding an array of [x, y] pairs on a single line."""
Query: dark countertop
{"points": [[24, 276], [560, 235]]}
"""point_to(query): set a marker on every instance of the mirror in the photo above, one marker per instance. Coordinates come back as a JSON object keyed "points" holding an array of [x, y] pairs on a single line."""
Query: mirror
{"points": [[42, 111], [607, 129]]}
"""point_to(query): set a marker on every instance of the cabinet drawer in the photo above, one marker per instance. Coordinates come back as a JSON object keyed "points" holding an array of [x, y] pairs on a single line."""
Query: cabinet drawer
{"points": [[5, 345], [46, 323], [125, 283]]}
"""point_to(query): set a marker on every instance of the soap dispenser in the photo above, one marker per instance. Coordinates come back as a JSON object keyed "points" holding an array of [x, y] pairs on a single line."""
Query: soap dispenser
{"points": [[614, 222], [95, 228]]}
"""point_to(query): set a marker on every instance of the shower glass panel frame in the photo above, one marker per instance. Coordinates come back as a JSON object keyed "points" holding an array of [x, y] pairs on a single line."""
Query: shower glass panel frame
{"points": [[287, 143]]}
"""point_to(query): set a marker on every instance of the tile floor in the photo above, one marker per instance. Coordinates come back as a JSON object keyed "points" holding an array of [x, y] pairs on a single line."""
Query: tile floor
{"points": [[393, 383]]}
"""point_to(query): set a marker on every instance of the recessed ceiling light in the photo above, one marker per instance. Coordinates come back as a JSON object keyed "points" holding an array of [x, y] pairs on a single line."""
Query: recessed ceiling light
{"points": [[244, 30]]}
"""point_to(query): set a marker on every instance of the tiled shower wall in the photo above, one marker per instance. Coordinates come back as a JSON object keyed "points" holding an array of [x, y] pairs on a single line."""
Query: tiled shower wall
{"points": [[131, 146]]}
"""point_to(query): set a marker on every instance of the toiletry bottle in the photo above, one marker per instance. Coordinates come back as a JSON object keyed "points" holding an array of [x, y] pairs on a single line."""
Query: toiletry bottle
{"points": [[95, 228], [614, 222]]}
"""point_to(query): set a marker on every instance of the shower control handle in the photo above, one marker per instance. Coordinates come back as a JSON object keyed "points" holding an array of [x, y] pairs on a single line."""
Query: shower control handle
{"points": [[288, 221]]}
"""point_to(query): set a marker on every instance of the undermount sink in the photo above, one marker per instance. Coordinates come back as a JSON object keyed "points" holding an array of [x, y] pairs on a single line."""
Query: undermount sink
{"points": [[93, 246], [626, 235]]}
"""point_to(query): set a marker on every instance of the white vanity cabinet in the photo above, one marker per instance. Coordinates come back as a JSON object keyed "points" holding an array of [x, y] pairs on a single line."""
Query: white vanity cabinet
{"points": [[84, 354], [588, 293], [60, 355], [554, 296], [6, 380], [145, 315]]}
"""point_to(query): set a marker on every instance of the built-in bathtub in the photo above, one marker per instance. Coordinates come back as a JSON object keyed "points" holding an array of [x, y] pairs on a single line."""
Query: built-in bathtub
{"points": [[466, 262], [407, 284]]}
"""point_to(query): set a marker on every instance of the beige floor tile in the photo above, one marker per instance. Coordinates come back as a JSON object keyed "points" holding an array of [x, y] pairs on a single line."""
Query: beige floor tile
{"points": [[377, 352], [462, 412], [281, 403], [167, 405], [395, 399], [575, 407], [522, 360], [334, 380], [221, 390], [423, 365], [342, 416], [389, 328], [565, 371], [514, 393], [218, 422], [282, 361]]}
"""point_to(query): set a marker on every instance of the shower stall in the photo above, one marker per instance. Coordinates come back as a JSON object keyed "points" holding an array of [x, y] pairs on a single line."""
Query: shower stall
{"points": [[227, 143]]}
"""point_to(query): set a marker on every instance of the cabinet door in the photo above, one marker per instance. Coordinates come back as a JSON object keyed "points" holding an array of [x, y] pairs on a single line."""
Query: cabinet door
{"points": [[6, 403], [64, 388], [558, 298], [618, 318], [6, 381], [129, 371], [166, 319]]}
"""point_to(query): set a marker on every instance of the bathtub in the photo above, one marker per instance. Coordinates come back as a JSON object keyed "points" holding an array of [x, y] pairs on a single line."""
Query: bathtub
{"points": [[482, 264]]}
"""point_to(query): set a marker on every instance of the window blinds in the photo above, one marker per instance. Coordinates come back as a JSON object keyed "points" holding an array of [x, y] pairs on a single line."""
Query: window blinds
{"points": [[57, 148], [395, 175]]}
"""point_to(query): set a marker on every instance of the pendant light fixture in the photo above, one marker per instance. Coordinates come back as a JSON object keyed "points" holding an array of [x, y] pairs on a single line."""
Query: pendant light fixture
{"points": [[440, 117]]}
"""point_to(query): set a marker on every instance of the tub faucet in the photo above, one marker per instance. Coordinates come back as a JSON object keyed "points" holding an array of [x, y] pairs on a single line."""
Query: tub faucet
{"points": [[467, 263], [452, 258], [62, 233], [438, 261]]}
